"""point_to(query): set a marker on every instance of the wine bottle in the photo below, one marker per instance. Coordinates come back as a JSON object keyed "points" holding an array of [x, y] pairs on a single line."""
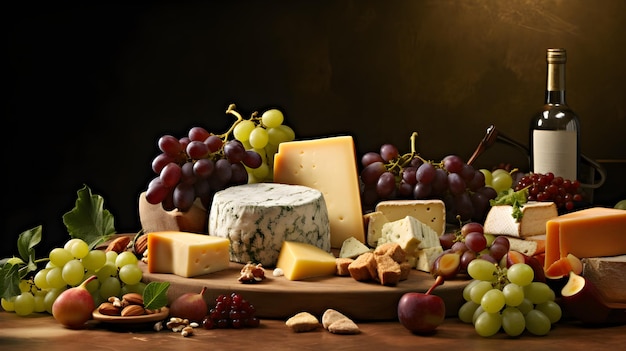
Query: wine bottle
{"points": [[555, 131]]}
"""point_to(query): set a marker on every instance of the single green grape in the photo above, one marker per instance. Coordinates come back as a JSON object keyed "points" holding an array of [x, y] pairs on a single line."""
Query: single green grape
{"points": [[488, 324], [110, 286], [60, 256], [258, 138], [50, 297], [77, 247], [467, 310], [39, 301], [477, 292], [277, 135], [108, 270], [526, 306], [130, 274], [513, 321], [478, 312], [492, 301], [501, 180], [8, 304], [481, 269], [94, 259], [537, 323], [538, 292], [111, 256], [520, 274], [125, 258], [54, 278], [551, 309], [272, 118], [468, 288], [40, 278], [133, 288], [92, 285], [513, 294], [24, 304], [73, 272], [242, 130]]}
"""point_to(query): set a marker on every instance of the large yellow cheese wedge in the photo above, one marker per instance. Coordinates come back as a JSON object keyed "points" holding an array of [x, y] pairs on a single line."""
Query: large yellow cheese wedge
{"points": [[328, 165], [187, 254], [300, 261], [592, 232]]}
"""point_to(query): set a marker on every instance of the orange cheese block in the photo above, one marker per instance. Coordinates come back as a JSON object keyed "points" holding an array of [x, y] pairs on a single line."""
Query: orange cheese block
{"points": [[187, 254], [328, 165], [592, 232]]}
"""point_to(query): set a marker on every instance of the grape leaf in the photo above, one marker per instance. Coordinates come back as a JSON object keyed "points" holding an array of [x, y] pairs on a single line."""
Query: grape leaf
{"points": [[26, 243], [88, 220], [9, 280], [155, 295]]}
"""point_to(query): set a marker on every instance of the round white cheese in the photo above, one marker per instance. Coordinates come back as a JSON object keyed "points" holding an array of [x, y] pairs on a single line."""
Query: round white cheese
{"points": [[257, 218]]}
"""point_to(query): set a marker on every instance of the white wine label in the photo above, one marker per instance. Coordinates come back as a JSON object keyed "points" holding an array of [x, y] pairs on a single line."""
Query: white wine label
{"points": [[555, 151]]}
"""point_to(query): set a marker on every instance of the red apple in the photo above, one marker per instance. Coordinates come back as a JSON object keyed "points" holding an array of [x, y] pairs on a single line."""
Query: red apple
{"points": [[422, 313]]}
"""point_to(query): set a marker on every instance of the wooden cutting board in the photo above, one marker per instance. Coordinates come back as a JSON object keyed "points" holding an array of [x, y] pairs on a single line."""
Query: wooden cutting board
{"points": [[280, 298]]}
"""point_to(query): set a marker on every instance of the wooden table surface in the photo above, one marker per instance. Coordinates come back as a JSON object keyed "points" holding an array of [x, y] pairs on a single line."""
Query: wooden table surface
{"points": [[42, 332]]}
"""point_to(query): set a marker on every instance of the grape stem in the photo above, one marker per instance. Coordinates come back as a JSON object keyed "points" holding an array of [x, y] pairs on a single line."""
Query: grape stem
{"points": [[402, 161], [232, 110], [438, 281]]}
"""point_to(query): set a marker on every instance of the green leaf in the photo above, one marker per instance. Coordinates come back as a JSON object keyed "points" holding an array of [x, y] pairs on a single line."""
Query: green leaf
{"points": [[516, 199], [88, 220], [9, 280], [26, 243], [155, 295]]}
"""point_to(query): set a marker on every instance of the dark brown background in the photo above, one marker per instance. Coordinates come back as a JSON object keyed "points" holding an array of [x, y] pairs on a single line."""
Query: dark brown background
{"points": [[90, 88]]}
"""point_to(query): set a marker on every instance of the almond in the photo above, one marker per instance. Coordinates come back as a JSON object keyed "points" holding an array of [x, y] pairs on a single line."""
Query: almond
{"points": [[132, 310], [107, 309], [118, 244], [133, 299], [141, 245]]}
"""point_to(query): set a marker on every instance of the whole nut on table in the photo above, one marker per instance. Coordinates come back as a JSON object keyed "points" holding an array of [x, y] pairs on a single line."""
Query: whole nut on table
{"points": [[132, 310], [133, 299], [108, 309]]}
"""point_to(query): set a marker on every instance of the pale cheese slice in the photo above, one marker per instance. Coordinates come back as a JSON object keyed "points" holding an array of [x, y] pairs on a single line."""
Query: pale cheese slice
{"points": [[429, 212], [535, 214], [410, 233], [352, 248], [375, 221], [328, 165]]}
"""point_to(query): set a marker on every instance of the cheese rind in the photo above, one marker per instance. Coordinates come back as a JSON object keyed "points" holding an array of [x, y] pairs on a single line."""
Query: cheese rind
{"points": [[592, 232], [535, 214], [186, 254], [429, 212], [301, 261], [607, 274], [257, 218], [328, 165]]}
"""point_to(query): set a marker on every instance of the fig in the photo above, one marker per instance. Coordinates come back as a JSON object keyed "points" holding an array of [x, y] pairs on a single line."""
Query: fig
{"points": [[446, 265], [190, 306], [74, 306]]}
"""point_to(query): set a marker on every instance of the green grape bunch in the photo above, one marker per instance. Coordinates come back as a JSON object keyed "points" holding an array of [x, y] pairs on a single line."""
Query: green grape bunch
{"points": [[202, 163], [507, 299]]}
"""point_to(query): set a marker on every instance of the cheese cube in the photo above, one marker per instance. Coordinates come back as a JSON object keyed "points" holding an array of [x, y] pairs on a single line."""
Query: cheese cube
{"points": [[186, 254], [535, 214], [375, 221], [592, 232], [426, 257], [300, 261], [430, 212], [328, 165], [352, 248], [410, 233]]}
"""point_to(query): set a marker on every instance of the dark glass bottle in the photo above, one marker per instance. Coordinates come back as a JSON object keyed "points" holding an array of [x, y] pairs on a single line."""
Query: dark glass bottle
{"points": [[555, 131]]}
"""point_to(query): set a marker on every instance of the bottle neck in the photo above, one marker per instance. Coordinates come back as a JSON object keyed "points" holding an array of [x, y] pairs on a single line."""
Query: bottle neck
{"points": [[555, 90]]}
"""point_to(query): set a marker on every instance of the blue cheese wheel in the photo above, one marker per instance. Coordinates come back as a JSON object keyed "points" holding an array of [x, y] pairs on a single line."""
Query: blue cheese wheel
{"points": [[257, 218]]}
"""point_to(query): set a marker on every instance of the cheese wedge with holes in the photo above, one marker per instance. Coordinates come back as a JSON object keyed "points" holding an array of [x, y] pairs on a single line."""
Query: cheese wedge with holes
{"points": [[535, 214], [592, 232], [301, 261], [429, 212], [328, 165], [187, 254]]}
